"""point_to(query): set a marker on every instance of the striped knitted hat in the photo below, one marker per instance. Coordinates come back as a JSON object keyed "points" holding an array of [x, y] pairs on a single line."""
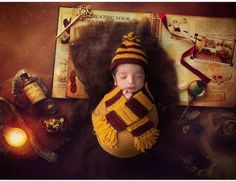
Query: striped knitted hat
{"points": [[130, 51]]}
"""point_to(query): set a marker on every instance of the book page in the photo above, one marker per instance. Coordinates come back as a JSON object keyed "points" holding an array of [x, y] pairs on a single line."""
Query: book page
{"points": [[61, 56], [214, 56]]}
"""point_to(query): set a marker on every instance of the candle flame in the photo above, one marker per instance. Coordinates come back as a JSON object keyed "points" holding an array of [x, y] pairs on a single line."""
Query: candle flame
{"points": [[15, 137]]}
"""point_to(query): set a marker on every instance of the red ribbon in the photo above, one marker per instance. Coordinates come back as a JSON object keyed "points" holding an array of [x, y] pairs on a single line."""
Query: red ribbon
{"points": [[186, 53]]}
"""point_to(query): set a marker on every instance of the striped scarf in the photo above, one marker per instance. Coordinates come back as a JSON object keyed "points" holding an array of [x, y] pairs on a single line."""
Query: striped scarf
{"points": [[127, 114]]}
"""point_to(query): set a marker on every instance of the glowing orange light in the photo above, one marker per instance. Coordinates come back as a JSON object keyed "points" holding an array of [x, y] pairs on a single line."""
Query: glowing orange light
{"points": [[15, 137]]}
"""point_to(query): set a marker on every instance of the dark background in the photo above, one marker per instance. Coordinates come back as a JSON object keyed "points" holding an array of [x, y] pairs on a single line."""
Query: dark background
{"points": [[27, 40]]}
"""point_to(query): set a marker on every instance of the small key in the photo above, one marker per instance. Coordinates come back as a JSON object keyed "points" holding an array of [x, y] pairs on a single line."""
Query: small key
{"points": [[83, 12]]}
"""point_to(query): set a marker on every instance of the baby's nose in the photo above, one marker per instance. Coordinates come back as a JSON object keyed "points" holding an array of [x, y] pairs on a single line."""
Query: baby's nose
{"points": [[130, 80]]}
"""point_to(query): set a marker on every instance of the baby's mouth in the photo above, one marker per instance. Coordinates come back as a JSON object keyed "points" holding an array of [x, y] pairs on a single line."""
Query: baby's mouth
{"points": [[131, 89]]}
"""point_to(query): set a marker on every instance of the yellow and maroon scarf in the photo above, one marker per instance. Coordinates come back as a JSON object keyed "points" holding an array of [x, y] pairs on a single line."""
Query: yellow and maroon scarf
{"points": [[127, 114]]}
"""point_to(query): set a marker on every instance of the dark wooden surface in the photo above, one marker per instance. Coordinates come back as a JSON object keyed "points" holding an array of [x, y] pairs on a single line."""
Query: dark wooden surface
{"points": [[27, 40]]}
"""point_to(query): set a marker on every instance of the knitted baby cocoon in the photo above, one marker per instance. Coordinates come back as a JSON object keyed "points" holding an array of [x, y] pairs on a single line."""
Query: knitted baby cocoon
{"points": [[127, 114]]}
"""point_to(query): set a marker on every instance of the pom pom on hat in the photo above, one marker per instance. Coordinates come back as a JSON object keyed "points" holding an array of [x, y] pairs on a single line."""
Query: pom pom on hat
{"points": [[130, 52]]}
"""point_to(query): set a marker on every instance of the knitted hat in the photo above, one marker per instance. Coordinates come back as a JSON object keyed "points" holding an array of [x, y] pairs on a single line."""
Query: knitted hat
{"points": [[130, 51]]}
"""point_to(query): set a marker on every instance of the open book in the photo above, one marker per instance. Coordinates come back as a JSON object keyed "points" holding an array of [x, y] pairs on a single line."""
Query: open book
{"points": [[201, 48]]}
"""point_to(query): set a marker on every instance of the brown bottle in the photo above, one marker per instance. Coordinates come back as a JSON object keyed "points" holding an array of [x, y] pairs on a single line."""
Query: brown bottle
{"points": [[31, 88], [36, 96]]}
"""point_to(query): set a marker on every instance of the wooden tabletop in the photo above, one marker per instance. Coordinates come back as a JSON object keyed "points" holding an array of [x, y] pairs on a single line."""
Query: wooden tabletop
{"points": [[27, 41]]}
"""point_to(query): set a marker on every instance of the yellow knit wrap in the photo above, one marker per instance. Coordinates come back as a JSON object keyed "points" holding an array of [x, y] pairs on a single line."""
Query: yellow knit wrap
{"points": [[126, 114]]}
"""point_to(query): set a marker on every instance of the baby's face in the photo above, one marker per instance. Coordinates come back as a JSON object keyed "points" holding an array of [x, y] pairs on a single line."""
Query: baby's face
{"points": [[129, 77]]}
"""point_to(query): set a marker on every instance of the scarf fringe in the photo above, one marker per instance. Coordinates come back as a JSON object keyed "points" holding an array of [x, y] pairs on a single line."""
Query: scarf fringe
{"points": [[146, 140], [105, 132]]}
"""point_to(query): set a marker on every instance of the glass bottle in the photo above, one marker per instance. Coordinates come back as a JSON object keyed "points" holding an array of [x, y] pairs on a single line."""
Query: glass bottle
{"points": [[36, 95], [31, 88]]}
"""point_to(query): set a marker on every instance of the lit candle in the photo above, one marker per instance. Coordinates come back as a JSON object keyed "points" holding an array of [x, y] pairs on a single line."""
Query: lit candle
{"points": [[15, 137]]}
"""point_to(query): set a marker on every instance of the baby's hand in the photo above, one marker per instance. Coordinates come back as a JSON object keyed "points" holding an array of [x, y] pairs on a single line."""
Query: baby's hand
{"points": [[128, 95]]}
